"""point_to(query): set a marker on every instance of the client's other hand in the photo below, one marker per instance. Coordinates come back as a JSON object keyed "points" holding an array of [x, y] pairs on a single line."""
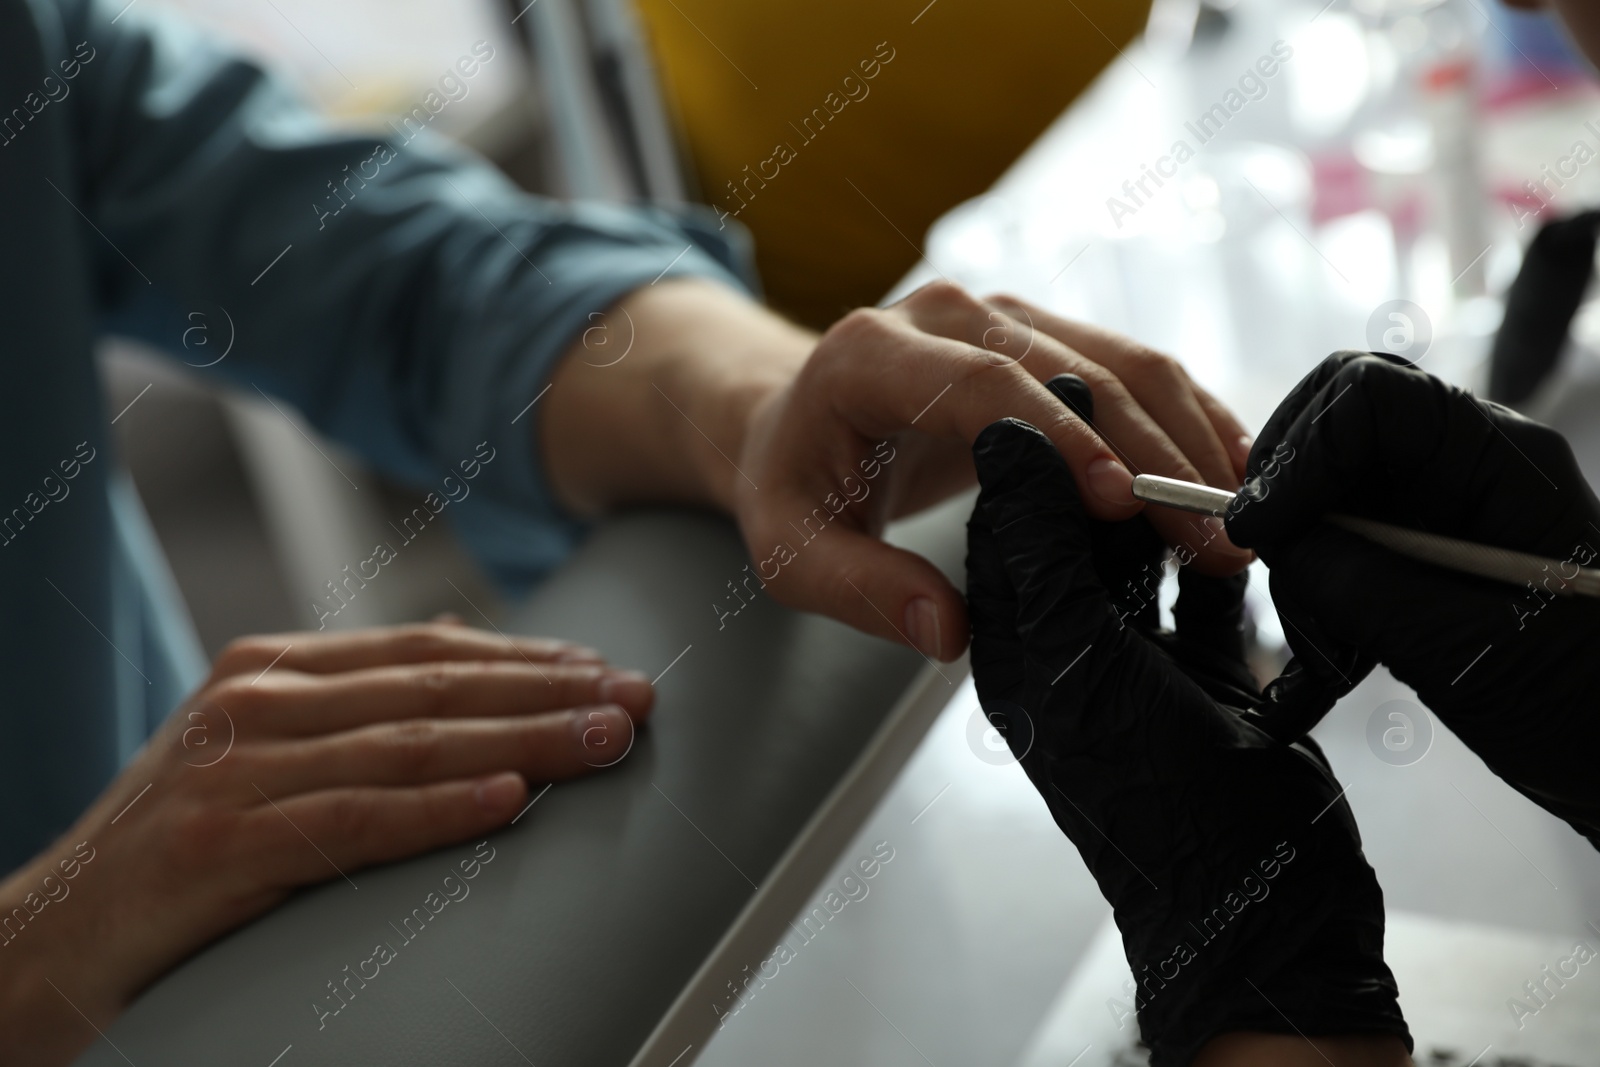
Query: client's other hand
{"points": [[304, 757], [1510, 669], [1232, 863]]}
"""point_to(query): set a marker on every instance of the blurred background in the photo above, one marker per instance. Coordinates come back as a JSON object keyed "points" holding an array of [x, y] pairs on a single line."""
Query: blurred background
{"points": [[595, 98], [1408, 145], [1376, 190]]}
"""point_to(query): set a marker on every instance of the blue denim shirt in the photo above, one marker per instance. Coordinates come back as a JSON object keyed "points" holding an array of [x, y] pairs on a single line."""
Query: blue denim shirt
{"points": [[146, 174]]}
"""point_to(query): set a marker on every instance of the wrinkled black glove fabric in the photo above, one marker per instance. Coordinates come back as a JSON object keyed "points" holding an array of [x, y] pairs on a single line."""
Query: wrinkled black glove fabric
{"points": [[1512, 670], [1232, 863]]}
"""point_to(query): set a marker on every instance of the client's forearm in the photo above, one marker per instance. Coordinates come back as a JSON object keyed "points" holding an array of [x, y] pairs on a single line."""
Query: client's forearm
{"points": [[652, 403]]}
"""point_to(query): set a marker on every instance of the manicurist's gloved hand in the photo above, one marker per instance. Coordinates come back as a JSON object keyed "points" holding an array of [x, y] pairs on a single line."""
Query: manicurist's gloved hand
{"points": [[1232, 863], [1512, 670]]}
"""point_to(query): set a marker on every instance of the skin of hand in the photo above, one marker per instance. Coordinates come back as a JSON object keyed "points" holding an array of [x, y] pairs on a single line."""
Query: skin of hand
{"points": [[718, 402], [302, 758]]}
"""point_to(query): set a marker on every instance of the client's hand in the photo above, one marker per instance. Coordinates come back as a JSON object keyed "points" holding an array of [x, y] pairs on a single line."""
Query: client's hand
{"points": [[1232, 863], [1510, 669], [304, 757], [919, 380], [815, 445]]}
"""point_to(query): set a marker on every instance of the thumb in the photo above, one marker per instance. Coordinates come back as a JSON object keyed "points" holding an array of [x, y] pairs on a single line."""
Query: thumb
{"points": [[1209, 638], [1041, 532], [852, 576], [1209, 614], [1298, 699], [1325, 666]]}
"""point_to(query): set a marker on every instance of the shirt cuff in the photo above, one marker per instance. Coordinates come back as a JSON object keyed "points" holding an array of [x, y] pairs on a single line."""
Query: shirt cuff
{"points": [[513, 523]]}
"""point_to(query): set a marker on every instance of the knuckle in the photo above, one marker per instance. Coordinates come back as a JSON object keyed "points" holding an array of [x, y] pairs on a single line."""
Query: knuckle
{"points": [[436, 676], [240, 652], [349, 816], [1104, 385], [1148, 363], [577, 685], [412, 746], [1547, 447], [436, 683], [1006, 339], [240, 698], [421, 642], [1365, 371], [857, 325], [845, 585], [942, 294], [785, 588], [994, 369], [1066, 428]]}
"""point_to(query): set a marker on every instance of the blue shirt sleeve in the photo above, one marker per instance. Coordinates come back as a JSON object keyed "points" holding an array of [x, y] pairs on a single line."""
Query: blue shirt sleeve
{"points": [[401, 293]]}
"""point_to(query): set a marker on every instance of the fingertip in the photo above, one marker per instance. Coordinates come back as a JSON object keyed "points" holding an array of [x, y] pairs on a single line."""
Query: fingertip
{"points": [[937, 631], [855, 577], [500, 794], [922, 625], [629, 690], [604, 734], [1111, 483]]}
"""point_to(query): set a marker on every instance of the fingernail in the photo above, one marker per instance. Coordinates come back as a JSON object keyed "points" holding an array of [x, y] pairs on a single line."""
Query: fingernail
{"points": [[603, 733], [500, 792], [1110, 481], [630, 689], [922, 626]]}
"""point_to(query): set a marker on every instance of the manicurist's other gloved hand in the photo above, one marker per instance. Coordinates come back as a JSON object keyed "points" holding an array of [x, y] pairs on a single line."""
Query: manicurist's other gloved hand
{"points": [[1512, 670], [1232, 863]]}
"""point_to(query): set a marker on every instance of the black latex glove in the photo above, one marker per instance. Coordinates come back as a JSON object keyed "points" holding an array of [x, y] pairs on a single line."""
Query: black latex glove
{"points": [[1513, 671], [1232, 863], [1540, 306]]}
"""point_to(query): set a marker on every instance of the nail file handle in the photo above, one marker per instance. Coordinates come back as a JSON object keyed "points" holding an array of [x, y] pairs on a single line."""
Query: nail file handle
{"points": [[1485, 561]]}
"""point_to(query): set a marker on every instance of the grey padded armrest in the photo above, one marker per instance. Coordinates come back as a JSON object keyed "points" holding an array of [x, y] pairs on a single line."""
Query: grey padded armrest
{"points": [[603, 901]]}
